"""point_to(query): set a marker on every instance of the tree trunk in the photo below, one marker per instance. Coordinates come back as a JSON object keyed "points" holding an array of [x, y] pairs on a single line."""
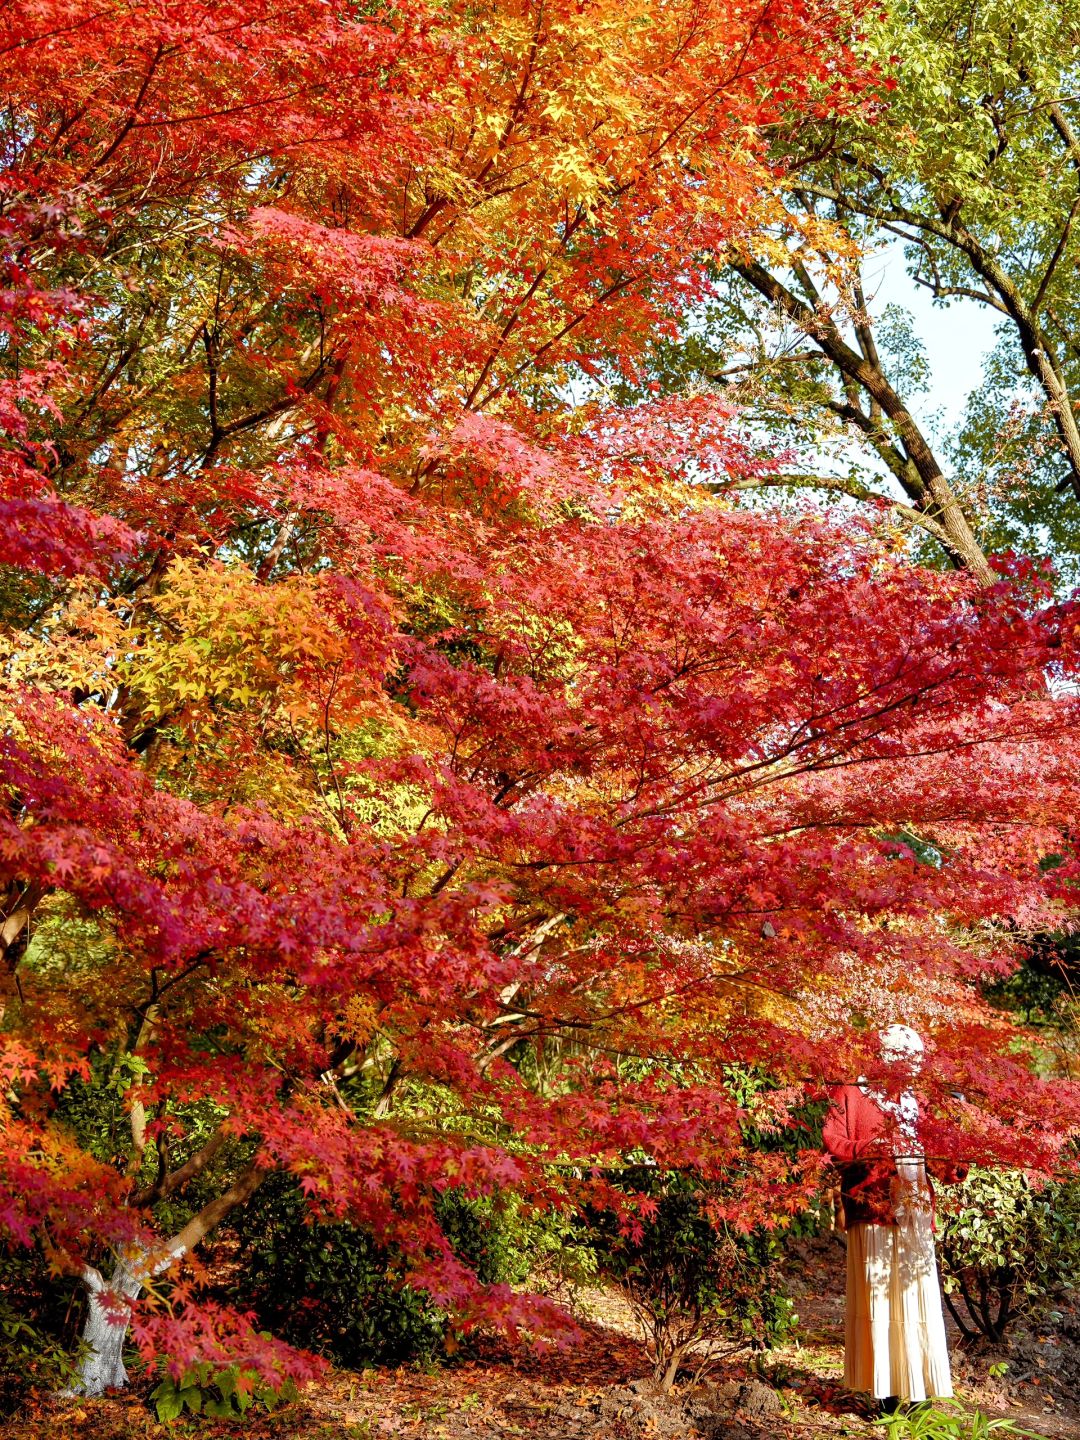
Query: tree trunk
{"points": [[667, 1379], [923, 479], [107, 1324], [16, 910], [105, 1330]]}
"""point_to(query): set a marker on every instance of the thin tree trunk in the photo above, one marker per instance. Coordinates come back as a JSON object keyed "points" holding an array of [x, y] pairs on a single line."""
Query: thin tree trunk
{"points": [[667, 1380], [16, 911], [1003, 292]]}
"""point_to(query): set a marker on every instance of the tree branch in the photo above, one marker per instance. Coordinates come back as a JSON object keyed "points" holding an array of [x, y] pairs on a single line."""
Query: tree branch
{"points": [[200, 1225], [179, 1177], [853, 488], [962, 546]]}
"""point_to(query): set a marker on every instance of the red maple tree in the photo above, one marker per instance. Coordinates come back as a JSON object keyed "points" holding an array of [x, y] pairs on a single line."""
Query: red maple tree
{"points": [[383, 705]]}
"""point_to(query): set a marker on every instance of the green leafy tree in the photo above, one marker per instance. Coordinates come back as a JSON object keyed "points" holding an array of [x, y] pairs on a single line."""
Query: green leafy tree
{"points": [[967, 160]]}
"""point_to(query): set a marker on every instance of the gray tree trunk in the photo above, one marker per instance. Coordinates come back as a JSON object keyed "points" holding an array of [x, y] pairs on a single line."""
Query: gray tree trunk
{"points": [[107, 1323], [106, 1329]]}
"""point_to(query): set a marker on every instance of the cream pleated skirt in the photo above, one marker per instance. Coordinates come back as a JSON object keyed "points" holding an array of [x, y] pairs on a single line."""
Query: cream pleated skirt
{"points": [[895, 1331]]}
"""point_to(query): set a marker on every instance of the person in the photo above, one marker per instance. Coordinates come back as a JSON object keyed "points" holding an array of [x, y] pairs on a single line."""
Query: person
{"points": [[894, 1336]]}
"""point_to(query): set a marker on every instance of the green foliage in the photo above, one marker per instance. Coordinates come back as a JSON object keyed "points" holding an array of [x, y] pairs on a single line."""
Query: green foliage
{"points": [[334, 1289], [695, 1284], [745, 1084], [975, 169], [948, 1421], [35, 1351], [1007, 1248], [329, 1288], [963, 172], [97, 1111], [1041, 992], [1035, 996], [229, 1394], [494, 1238]]}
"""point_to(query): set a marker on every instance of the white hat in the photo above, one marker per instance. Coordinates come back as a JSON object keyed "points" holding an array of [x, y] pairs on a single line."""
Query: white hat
{"points": [[901, 1042]]}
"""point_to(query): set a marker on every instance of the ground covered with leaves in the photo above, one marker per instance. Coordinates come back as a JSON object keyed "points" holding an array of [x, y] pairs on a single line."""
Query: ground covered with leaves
{"points": [[601, 1388]]}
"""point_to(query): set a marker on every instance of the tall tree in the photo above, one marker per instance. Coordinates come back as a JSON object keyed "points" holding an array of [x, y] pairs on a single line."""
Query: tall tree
{"points": [[970, 161], [854, 386]]}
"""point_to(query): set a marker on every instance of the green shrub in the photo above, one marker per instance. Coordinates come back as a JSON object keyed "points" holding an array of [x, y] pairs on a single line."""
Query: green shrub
{"points": [[1007, 1248], [38, 1328], [329, 1288], [227, 1394], [695, 1286], [492, 1237], [335, 1290]]}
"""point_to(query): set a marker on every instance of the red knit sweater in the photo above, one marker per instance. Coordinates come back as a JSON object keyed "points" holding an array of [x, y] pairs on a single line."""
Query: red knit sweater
{"points": [[854, 1136]]}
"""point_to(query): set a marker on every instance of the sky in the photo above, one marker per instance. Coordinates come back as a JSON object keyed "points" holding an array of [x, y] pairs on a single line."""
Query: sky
{"points": [[956, 338]]}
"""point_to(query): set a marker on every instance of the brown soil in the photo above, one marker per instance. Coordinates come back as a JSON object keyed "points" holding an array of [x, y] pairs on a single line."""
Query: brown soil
{"points": [[600, 1389]]}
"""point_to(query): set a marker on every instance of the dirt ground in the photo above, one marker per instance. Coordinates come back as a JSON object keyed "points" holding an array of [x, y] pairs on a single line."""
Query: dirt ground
{"points": [[600, 1390]]}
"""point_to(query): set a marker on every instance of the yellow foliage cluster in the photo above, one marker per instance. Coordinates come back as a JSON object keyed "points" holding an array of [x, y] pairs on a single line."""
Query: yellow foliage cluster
{"points": [[209, 638]]}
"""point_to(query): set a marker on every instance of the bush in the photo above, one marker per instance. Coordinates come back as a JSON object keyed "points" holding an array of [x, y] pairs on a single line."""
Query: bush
{"points": [[219, 1394], [697, 1288], [38, 1349], [335, 1290], [1007, 1248], [492, 1238], [329, 1288]]}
